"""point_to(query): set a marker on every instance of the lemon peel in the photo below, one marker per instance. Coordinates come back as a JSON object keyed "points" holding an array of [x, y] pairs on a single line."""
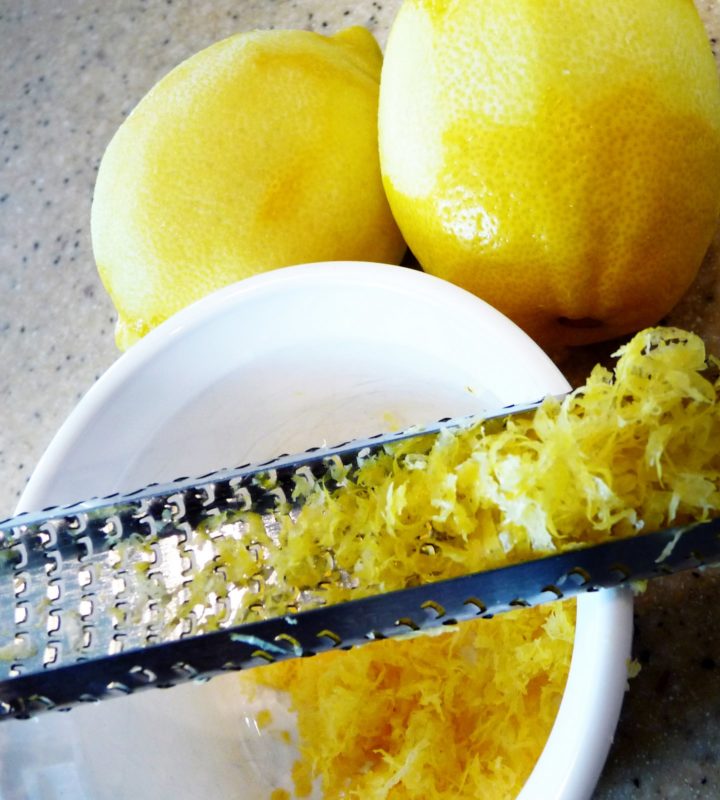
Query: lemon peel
{"points": [[566, 171], [256, 153]]}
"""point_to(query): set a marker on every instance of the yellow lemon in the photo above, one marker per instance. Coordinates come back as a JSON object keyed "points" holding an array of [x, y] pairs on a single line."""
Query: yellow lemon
{"points": [[256, 153], [559, 159]]}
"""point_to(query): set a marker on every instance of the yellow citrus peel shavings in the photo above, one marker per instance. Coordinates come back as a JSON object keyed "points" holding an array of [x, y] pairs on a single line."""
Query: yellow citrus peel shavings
{"points": [[627, 452], [466, 714], [458, 715]]}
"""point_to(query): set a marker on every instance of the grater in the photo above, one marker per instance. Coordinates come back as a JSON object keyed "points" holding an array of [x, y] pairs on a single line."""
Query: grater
{"points": [[98, 595]]}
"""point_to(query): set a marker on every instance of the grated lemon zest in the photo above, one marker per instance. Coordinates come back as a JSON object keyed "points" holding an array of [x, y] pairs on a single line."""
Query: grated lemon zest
{"points": [[465, 714]]}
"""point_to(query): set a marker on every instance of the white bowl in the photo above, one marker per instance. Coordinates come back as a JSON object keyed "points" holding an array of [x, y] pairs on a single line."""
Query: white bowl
{"points": [[278, 363]]}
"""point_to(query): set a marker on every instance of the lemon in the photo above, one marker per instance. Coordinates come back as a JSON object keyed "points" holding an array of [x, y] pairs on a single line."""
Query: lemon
{"points": [[561, 160], [258, 152]]}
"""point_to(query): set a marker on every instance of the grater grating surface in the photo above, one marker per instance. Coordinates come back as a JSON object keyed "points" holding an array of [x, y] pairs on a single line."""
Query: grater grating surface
{"points": [[98, 596]]}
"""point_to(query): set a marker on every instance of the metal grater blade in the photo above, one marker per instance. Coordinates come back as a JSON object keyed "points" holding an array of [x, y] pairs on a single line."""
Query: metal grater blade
{"points": [[87, 582], [92, 592]]}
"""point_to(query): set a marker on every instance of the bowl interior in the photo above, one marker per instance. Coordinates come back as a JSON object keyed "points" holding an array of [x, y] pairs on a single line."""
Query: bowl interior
{"points": [[294, 358]]}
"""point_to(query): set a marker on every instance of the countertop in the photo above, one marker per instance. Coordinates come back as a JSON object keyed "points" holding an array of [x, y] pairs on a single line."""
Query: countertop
{"points": [[70, 71]]}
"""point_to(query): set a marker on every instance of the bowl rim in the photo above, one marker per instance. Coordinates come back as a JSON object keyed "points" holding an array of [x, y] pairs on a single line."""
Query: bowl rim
{"points": [[576, 750]]}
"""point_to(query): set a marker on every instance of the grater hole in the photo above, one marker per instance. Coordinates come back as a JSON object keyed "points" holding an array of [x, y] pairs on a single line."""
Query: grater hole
{"points": [[87, 637], [364, 454], [41, 702], [408, 623], [76, 523], [21, 614], [577, 576], [554, 590], [119, 614], [375, 636], [280, 498], [117, 645], [21, 554], [54, 591], [118, 688], [264, 655], [292, 641], [331, 635], [621, 572], [43, 538], [184, 670], [86, 697], [450, 622], [22, 646], [143, 675], [175, 507], [479, 605], [436, 607], [53, 622], [53, 562], [84, 548], [19, 585], [188, 625], [518, 602], [149, 521], [50, 655], [186, 567], [113, 529], [86, 607], [205, 495], [84, 578]]}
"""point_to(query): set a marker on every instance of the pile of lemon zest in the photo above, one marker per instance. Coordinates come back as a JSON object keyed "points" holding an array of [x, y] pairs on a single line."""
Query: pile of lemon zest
{"points": [[633, 668], [631, 450], [263, 718], [463, 714]]}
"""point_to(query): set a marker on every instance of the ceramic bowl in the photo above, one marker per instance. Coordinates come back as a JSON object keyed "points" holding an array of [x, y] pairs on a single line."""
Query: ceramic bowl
{"points": [[294, 358]]}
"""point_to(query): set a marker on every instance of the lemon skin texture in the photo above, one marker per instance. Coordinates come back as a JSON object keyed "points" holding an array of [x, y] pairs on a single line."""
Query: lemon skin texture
{"points": [[559, 159], [256, 153]]}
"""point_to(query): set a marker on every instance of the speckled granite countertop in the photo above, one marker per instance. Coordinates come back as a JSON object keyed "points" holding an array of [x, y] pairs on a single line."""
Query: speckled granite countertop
{"points": [[69, 73]]}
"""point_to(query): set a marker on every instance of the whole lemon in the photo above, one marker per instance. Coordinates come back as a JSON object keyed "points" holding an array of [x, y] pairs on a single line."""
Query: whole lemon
{"points": [[256, 153], [560, 159]]}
